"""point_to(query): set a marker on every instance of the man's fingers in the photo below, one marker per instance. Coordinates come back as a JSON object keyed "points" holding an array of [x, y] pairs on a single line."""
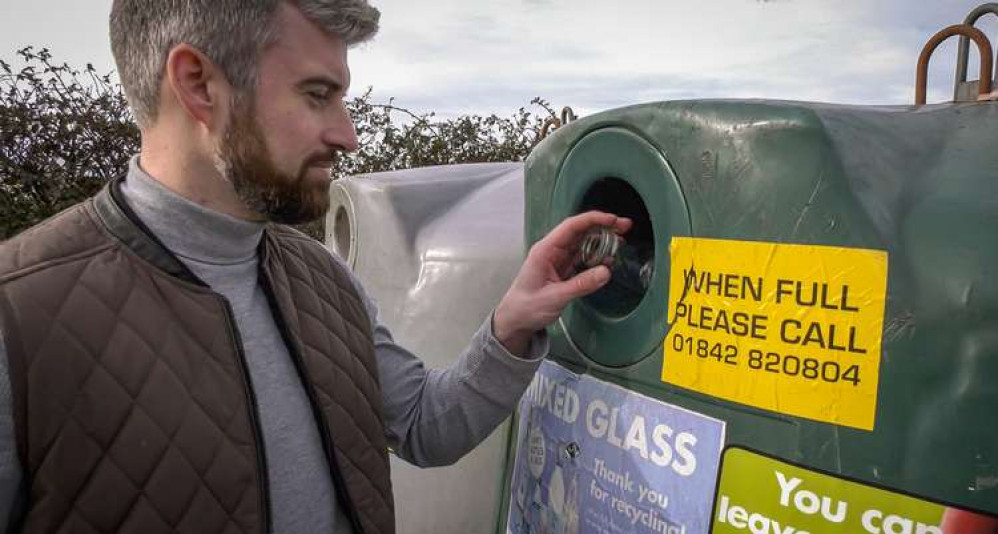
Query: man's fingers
{"points": [[580, 285], [568, 234], [546, 277], [623, 225]]}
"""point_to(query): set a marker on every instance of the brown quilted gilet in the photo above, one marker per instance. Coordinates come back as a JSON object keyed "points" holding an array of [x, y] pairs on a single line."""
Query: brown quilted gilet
{"points": [[132, 402]]}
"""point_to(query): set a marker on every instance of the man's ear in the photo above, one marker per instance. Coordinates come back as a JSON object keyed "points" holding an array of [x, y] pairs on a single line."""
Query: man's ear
{"points": [[197, 84]]}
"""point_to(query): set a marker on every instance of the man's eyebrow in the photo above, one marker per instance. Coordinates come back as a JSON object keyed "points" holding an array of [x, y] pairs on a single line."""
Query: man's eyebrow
{"points": [[331, 83]]}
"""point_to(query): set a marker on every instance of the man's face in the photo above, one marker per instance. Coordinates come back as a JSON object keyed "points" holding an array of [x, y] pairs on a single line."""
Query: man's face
{"points": [[281, 141]]}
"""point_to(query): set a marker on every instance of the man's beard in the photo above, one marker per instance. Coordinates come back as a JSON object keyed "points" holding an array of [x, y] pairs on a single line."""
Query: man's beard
{"points": [[244, 160]]}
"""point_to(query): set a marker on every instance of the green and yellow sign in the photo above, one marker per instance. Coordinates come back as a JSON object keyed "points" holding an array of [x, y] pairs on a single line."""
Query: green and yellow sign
{"points": [[760, 495]]}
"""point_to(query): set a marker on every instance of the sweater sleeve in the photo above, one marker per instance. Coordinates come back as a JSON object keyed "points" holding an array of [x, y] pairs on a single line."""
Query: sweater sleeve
{"points": [[435, 416]]}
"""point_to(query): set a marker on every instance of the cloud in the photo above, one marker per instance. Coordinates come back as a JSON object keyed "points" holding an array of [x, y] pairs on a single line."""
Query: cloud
{"points": [[478, 57], [460, 56], [76, 32]]}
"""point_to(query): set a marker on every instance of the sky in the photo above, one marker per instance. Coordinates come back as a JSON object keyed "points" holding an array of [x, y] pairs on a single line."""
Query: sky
{"points": [[493, 56]]}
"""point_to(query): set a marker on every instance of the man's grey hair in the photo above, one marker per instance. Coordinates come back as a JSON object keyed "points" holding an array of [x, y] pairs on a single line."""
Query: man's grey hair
{"points": [[232, 33]]}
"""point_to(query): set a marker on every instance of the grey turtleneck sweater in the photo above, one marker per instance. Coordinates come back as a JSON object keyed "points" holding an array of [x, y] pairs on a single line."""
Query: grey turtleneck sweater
{"points": [[432, 417]]}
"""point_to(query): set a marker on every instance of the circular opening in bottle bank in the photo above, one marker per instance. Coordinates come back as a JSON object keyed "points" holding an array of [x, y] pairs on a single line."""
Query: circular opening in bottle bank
{"points": [[341, 232], [615, 170], [631, 257]]}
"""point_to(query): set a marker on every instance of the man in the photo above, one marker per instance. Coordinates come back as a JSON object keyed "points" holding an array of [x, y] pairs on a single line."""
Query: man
{"points": [[180, 362]]}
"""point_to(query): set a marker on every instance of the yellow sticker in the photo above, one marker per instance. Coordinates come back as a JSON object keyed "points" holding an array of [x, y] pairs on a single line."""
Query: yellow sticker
{"points": [[795, 329]]}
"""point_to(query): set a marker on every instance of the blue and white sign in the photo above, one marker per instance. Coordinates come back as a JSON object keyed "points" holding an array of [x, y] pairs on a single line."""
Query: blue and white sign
{"points": [[594, 458]]}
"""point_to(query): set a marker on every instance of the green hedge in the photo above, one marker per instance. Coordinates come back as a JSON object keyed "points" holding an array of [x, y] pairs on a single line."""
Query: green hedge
{"points": [[65, 131]]}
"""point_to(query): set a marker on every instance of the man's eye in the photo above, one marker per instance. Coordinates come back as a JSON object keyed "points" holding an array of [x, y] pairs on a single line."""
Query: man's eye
{"points": [[317, 97]]}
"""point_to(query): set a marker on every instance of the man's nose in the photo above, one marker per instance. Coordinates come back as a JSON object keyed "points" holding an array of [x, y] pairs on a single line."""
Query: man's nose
{"points": [[340, 133]]}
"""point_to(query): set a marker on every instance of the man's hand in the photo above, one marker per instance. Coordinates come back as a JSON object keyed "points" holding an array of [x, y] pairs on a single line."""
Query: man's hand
{"points": [[545, 283]]}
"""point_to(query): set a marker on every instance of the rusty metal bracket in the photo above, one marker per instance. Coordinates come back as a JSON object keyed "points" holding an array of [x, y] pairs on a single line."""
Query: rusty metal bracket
{"points": [[553, 123], [961, 88], [983, 47], [567, 115]]}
